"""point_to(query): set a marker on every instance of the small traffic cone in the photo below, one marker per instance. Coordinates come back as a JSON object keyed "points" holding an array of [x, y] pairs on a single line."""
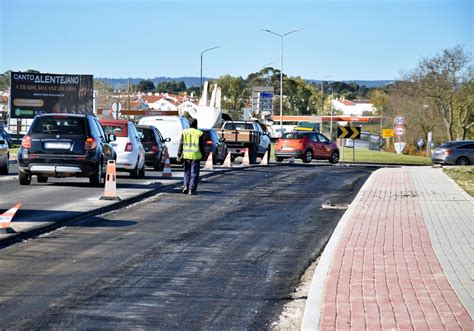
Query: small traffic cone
{"points": [[246, 160], [209, 164], [110, 189], [228, 161], [167, 169], [292, 159], [6, 218], [264, 161]]}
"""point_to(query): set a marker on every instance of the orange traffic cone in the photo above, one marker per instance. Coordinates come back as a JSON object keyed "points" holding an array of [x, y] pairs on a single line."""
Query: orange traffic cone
{"points": [[110, 189], [246, 160], [6, 218], [167, 168], [209, 164], [264, 161], [228, 161]]}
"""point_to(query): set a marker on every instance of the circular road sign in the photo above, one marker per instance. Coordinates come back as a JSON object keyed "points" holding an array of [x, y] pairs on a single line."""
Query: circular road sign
{"points": [[420, 142], [399, 120], [399, 130]]}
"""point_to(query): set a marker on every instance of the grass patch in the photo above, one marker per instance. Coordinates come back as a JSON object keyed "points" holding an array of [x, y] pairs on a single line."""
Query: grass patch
{"points": [[368, 156], [463, 176]]}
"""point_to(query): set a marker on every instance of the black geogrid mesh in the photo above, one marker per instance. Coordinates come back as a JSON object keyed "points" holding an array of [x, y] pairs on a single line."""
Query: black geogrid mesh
{"points": [[225, 259]]}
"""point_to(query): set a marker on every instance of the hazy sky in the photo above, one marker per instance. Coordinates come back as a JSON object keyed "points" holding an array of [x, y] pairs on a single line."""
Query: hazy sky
{"points": [[358, 39]]}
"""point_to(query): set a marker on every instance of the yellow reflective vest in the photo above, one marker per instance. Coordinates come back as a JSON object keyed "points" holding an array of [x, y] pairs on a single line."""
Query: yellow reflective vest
{"points": [[191, 144]]}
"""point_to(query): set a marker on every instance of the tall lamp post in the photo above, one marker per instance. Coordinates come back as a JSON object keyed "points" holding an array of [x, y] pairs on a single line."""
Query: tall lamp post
{"points": [[281, 71], [204, 51], [322, 93]]}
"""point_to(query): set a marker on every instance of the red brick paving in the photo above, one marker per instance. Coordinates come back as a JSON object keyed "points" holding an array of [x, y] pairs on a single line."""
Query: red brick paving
{"points": [[385, 274]]}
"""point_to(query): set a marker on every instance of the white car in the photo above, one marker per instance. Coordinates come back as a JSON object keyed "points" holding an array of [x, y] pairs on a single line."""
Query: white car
{"points": [[169, 126], [128, 147], [4, 155]]}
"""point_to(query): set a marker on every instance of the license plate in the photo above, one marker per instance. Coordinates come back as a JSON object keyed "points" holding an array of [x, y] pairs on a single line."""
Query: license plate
{"points": [[287, 149], [57, 145]]}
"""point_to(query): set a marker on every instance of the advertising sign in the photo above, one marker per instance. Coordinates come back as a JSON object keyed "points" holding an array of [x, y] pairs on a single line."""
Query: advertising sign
{"points": [[38, 93]]}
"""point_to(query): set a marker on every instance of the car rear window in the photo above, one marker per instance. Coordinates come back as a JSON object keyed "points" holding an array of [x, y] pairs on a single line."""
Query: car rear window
{"points": [[59, 125], [446, 145], [119, 130], [146, 134], [293, 135]]}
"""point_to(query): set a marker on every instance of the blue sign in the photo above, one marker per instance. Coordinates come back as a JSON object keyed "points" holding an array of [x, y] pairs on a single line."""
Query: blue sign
{"points": [[420, 142]]}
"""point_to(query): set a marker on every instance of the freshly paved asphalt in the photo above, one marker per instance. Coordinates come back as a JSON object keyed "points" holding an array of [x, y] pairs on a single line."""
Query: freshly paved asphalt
{"points": [[227, 258]]}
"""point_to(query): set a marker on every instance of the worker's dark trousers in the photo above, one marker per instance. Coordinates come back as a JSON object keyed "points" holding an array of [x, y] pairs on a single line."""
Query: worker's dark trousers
{"points": [[191, 174]]}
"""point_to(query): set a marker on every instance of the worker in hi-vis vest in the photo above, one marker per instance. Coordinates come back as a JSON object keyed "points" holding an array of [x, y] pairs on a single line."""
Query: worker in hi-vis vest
{"points": [[190, 152]]}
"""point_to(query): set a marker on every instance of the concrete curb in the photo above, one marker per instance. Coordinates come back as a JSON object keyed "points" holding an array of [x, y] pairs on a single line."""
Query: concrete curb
{"points": [[34, 232], [314, 303]]}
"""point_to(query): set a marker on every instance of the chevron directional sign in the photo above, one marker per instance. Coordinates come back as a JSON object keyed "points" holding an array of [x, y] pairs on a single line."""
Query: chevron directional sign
{"points": [[349, 132]]}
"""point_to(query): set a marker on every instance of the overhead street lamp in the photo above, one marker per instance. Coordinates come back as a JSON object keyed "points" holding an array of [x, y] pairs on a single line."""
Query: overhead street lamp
{"points": [[204, 51], [281, 71], [322, 93]]}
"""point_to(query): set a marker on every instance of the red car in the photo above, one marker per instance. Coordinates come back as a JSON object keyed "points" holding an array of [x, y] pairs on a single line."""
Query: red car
{"points": [[306, 145]]}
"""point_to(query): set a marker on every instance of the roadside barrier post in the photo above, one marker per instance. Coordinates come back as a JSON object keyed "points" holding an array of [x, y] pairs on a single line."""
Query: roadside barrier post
{"points": [[110, 189]]}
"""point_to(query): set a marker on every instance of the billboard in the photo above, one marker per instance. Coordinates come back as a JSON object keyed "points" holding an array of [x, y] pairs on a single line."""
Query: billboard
{"points": [[37, 93]]}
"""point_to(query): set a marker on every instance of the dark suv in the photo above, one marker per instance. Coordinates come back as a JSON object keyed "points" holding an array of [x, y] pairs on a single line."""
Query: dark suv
{"points": [[65, 145]]}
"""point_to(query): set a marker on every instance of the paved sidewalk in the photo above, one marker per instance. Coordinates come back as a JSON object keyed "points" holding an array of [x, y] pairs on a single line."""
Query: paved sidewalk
{"points": [[401, 258]]}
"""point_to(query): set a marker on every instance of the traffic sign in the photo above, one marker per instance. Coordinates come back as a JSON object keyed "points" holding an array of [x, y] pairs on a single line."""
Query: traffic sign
{"points": [[399, 130], [116, 108], [399, 120], [420, 142], [387, 133], [351, 132]]}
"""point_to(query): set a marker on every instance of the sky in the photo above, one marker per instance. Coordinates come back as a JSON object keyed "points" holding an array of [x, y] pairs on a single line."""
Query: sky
{"points": [[336, 39]]}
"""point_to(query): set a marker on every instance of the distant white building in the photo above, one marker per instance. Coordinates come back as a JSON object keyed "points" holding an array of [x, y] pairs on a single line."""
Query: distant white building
{"points": [[357, 107]]}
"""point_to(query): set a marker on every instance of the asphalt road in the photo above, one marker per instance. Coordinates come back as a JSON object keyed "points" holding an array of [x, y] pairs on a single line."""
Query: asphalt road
{"points": [[226, 258]]}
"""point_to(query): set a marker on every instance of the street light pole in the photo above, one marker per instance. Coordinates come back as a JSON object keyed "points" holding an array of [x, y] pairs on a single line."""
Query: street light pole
{"points": [[281, 72], [322, 93], [204, 51]]}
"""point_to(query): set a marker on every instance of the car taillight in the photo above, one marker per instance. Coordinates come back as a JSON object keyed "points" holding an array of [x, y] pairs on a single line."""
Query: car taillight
{"points": [[448, 151], [154, 148], [90, 144], [129, 147], [208, 142], [26, 142]]}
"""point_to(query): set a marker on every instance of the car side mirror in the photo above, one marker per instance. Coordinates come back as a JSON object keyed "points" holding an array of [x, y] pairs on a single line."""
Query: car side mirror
{"points": [[111, 137], [2, 142], [167, 140]]}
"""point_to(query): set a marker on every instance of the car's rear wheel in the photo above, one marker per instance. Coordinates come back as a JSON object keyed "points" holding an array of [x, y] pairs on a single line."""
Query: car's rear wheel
{"points": [[5, 169], [135, 173], [253, 155], [141, 173], [42, 179], [25, 179], [462, 161], [97, 179], [334, 158], [278, 159], [308, 156]]}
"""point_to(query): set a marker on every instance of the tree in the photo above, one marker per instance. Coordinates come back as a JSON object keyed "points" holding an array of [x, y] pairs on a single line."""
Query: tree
{"points": [[171, 87], [440, 81], [145, 86], [232, 92]]}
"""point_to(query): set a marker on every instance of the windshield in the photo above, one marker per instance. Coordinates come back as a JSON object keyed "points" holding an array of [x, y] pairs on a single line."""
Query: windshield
{"points": [[293, 135], [238, 126]]}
